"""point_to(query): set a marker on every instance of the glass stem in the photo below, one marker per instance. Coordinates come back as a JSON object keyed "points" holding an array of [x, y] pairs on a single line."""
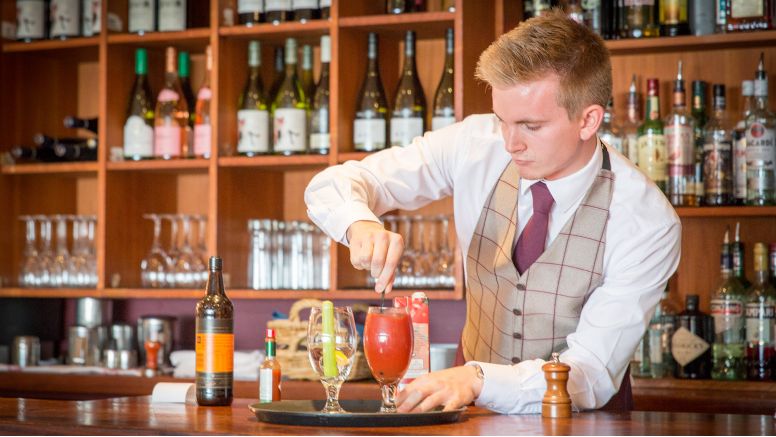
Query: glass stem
{"points": [[389, 398]]}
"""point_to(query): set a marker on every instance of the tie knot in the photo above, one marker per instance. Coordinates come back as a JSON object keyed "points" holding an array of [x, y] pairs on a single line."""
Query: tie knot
{"points": [[542, 199]]}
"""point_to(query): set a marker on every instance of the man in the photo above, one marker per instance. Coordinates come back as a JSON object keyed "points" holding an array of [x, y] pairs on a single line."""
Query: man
{"points": [[567, 245]]}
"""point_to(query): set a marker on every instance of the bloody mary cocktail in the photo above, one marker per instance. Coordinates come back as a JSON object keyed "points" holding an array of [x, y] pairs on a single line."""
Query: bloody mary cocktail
{"points": [[388, 348]]}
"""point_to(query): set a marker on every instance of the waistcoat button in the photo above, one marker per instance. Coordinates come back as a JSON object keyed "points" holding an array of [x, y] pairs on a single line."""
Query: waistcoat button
{"points": [[521, 287], [517, 311], [515, 360], [517, 335]]}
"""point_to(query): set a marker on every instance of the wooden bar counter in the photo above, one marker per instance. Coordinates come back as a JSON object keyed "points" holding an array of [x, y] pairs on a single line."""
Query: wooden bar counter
{"points": [[137, 416]]}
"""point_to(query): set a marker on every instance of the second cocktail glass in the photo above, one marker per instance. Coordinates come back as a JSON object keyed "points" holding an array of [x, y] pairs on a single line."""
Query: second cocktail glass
{"points": [[388, 347]]}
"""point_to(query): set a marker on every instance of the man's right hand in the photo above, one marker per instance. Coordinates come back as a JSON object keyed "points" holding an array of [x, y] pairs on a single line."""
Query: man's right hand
{"points": [[375, 249]]}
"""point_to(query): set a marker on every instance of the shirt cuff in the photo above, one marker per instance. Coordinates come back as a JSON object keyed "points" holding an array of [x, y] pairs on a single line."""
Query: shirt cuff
{"points": [[503, 390], [339, 220]]}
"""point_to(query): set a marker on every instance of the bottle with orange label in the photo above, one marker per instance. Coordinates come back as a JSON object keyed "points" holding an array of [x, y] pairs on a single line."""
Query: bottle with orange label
{"points": [[215, 341], [269, 371]]}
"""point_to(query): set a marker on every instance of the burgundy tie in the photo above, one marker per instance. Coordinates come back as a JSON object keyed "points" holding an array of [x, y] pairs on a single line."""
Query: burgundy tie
{"points": [[530, 245]]}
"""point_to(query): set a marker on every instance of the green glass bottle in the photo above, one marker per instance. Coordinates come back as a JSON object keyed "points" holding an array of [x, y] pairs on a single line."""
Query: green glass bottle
{"points": [[253, 112], [306, 75], [700, 119], [289, 109], [370, 124], [139, 125], [319, 112], [444, 98], [653, 153], [409, 109]]}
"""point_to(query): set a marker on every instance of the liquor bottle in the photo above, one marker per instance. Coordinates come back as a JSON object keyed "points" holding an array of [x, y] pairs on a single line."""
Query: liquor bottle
{"points": [[748, 15], [203, 131], [409, 109], [85, 150], [142, 16], [691, 342], [184, 68], [31, 23], [718, 154], [215, 341], [269, 371], [396, 6], [325, 9], [172, 114], [630, 128], [661, 329], [305, 10], [760, 316], [638, 19], [679, 128], [250, 12], [653, 155], [702, 17], [139, 126], [371, 123], [772, 263], [172, 15], [739, 138], [592, 16], [72, 122], [640, 363], [319, 112], [737, 253], [761, 145], [444, 99], [289, 109], [727, 309], [673, 18], [280, 74], [278, 11], [65, 17], [253, 115], [609, 132], [574, 11], [306, 75], [721, 14], [700, 119]]}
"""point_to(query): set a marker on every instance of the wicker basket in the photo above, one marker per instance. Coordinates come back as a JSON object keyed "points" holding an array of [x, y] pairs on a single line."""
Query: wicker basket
{"points": [[291, 337]]}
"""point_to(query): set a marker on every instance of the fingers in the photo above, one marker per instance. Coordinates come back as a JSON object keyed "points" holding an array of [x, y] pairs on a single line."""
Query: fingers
{"points": [[393, 255], [408, 400], [379, 253]]}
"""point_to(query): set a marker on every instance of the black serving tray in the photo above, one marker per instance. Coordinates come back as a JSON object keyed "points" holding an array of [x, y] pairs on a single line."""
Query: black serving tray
{"points": [[359, 413]]}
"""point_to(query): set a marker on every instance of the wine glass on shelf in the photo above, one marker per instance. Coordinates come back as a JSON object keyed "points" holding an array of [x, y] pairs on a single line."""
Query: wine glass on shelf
{"points": [[91, 251], [59, 267], [445, 257], [201, 250], [424, 257], [388, 341], [406, 272], [153, 268], [331, 345], [78, 264], [28, 268], [46, 254], [187, 265], [172, 251]]}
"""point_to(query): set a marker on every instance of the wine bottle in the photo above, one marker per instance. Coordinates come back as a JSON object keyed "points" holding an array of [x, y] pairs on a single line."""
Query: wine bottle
{"points": [[319, 114], [760, 314], [305, 10], [396, 6], [444, 99], [172, 15], [33, 154], [409, 109], [653, 155], [700, 119], [269, 371], [289, 109], [278, 11], [31, 22], [250, 12], [280, 73], [325, 9], [72, 122], [691, 342], [142, 16], [65, 19], [673, 18], [139, 126], [214, 341], [253, 115], [370, 124], [202, 128], [172, 114], [85, 150], [306, 75], [184, 68]]}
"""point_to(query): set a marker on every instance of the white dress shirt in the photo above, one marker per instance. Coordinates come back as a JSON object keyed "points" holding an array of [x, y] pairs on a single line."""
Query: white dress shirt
{"points": [[465, 160]]}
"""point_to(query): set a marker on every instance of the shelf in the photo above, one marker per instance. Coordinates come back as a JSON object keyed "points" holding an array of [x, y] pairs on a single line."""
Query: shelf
{"points": [[280, 31], [691, 42], [49, 292], [184, 38], [277, 163], [50, 168], [352, 156], [426, 24], [726, 211], [160, 165], [50, 45]]}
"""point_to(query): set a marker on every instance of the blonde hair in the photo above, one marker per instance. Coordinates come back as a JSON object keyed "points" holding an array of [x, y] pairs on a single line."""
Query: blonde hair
{"points": [[551, 43]]}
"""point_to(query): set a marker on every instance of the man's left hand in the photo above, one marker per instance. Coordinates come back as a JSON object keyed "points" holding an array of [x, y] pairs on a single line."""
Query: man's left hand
{"points": [[452, 388]]}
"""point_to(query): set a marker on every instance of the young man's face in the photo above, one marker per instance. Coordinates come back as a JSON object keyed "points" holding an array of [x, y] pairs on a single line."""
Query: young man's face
{"points": [[543, 142]]}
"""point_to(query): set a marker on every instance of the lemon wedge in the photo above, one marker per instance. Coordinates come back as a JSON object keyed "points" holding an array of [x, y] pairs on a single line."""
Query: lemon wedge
{"points": [[342, 360]]}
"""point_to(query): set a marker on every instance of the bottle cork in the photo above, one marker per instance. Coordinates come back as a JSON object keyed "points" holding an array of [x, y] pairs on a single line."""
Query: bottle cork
{"points": [[556, 402]]}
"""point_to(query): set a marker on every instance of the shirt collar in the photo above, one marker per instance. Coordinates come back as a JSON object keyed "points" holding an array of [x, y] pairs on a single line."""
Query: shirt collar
{"points": [[568, 190]]}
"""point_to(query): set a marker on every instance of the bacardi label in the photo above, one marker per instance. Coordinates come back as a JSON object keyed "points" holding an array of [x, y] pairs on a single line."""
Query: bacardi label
{"points": [[686, 346], [760, 147]]}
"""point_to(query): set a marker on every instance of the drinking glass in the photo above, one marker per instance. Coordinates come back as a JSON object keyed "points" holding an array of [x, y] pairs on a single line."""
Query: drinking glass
{"points": [[28, 270], [46, 254], [201, 250], [59, 272], [187, 265], [345, 342], [406, 272], [78, 266], [91, 250], [445, 257], [172, 250], [153, 268], [388, 347], [424, 257]]}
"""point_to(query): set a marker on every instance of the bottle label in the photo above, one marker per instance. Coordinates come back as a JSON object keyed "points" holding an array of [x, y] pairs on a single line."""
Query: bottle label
{"points": [[639, 3], [746, 8], [289, 130], [671, 11], [87, 15], [325, 3], [202, 137], [204, 93], [632, 146], [369, 134], [760, 147], [319, 122], [653, 159], [97, 17], [761, 87], [214, 349], [138, 138], [167, 95], [760, 322], [266, 384], [167, 141], [679, 142], [320, 141], [305, 4], [172, 15], [142, 17], [65, 17], [440, 122], [250, 6], [686, 346], [253, 131], [31, 19], [403, 130], [739, 167], [728, 320], [277, 5], [612, 140], [655, 346], [716, 167]]}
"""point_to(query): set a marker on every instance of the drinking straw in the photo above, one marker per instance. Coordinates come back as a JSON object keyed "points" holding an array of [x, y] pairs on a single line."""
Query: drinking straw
{"points": [[329, 359]]}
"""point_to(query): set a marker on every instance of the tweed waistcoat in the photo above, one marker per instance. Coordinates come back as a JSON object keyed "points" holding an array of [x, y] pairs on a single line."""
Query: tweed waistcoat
{"points": [[512, 317]]}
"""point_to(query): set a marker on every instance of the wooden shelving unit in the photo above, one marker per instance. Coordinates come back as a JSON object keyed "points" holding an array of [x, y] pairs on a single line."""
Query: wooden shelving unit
{"points": [[50, 45], [50, 168]]}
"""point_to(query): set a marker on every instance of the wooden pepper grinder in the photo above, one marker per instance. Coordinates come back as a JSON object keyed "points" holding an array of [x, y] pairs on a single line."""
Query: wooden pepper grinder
{"points": [[556, 402]]}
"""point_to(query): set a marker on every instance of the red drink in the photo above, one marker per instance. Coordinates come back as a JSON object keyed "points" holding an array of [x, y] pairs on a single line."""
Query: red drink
{"points": [[388, 344]]}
